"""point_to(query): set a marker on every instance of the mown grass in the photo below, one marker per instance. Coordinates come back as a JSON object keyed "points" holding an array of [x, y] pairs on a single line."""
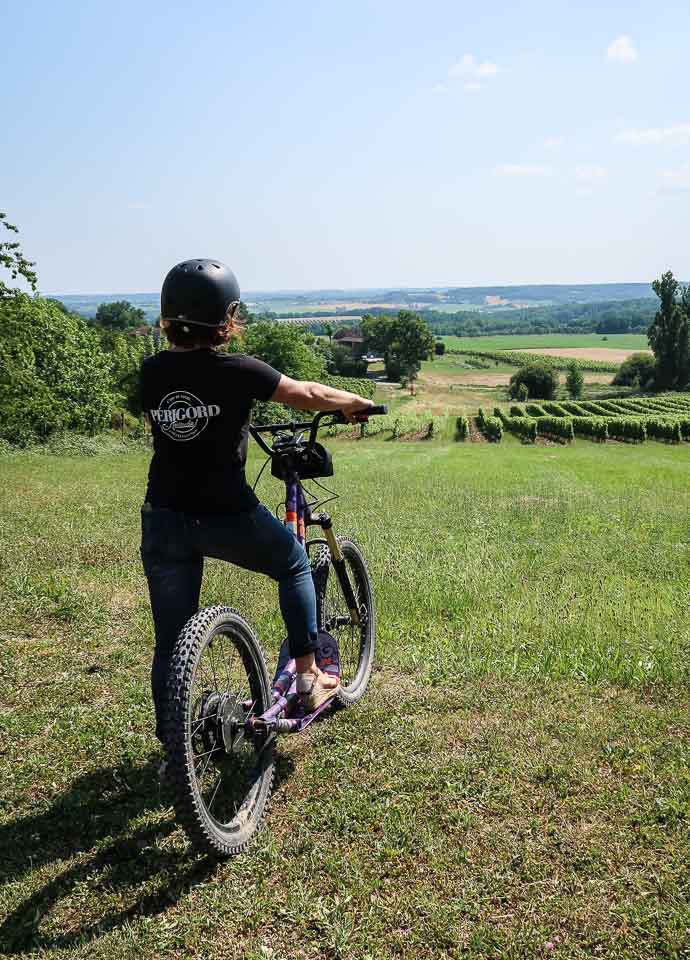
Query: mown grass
{"points": [[516, 784]]}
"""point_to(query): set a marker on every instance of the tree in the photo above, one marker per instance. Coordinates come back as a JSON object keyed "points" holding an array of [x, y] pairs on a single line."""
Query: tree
{"points": [[284, 347], [574, 382], [243, 315], [125, 354], [404, 341], [668, 333], [119, 315], [12, 259], [521, 393], [53, 374], [328, 330], [345, 364], [639, 369], [541, 381], [439, 348]]}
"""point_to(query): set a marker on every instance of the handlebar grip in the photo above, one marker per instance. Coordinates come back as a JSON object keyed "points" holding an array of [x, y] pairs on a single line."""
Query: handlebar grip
{"points": [[364, 415]]}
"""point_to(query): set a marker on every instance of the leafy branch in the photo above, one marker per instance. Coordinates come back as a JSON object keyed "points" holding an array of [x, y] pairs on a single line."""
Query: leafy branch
{"points": [[12, 259]]}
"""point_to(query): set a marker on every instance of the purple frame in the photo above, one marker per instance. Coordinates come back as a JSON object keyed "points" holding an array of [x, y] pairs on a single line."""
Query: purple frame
{"points": [[286, 715]]}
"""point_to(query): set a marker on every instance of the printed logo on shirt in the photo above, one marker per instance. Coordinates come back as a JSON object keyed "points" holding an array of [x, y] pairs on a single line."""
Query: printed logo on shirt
{"points": [[182, 416]]}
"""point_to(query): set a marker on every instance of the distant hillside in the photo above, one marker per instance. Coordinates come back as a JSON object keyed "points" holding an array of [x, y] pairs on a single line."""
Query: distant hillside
{"points": [[496, 299]]}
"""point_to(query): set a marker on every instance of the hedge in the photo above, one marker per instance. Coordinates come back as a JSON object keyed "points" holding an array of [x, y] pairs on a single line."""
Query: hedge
{"points": [[668, 430], [594, 427], [560, 428], [365, 388], [514, 358], [493, 429], [523, 427], [627, 428], [554, 409], [462, 428]]}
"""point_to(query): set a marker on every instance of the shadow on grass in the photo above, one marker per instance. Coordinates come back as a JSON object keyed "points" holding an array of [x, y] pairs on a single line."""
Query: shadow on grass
{"points": [[123, 871]]}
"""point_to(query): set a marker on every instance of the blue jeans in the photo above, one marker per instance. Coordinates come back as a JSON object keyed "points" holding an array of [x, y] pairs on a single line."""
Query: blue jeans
{"points": [[173, 547]]}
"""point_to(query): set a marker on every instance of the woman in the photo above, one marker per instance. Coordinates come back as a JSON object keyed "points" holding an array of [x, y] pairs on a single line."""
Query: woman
{"points": [[198, 503]]}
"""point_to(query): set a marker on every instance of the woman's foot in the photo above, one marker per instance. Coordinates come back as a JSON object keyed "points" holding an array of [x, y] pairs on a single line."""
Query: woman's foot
{"points": [[315, 687]]}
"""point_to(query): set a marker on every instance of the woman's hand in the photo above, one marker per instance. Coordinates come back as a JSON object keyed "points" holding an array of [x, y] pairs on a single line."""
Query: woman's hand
{"points": [[354, 406]]}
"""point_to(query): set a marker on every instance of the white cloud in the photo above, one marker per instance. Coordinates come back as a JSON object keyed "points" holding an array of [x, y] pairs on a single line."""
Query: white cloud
{"points": [[622, 49], [469, 67], [678, 133], [522, 170], [590, 173], [678, 180], [440, 88], [553, 143], [472, 71]]}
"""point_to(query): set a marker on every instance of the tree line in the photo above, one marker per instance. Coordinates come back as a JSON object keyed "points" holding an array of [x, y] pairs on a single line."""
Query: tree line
{"points": [[60, 371], [605, 317]]}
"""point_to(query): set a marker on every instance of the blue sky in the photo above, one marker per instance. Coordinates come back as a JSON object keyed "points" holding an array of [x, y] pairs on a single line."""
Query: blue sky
{"points": [[343, 144]]}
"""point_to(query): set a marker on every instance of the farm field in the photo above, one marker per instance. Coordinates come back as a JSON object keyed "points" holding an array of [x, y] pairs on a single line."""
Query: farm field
{"points": [[448, 385], [582, 353], [548, 341], [515, 784]]}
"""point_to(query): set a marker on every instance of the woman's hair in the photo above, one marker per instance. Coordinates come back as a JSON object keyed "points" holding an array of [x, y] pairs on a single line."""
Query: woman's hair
{"points": [[183, 334]]}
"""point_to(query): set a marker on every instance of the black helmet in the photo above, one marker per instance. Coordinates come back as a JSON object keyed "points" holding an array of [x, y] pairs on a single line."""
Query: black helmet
{"points": [[199, 292]]}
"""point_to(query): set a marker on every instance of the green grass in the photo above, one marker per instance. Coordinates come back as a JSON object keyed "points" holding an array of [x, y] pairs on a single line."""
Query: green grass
{"points": [[518, 775], [618, 341]]}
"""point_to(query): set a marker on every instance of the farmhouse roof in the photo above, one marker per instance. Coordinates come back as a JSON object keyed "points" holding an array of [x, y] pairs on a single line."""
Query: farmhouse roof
{"points": [[348, 336]]}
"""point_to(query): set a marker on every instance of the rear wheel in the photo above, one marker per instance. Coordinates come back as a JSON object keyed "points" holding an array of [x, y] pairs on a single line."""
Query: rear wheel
{"points": [[356, 642], [221, 779]]}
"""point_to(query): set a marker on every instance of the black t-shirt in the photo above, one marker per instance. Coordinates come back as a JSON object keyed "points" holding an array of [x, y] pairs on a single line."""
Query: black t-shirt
{"points": [[198, 403]]}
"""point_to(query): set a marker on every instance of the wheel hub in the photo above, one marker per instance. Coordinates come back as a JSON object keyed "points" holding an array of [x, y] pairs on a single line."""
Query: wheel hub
{"points": [[232, 715]]}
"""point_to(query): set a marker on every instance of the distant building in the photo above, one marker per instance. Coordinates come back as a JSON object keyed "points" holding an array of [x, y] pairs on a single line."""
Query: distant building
{"points": [[350, 338]]}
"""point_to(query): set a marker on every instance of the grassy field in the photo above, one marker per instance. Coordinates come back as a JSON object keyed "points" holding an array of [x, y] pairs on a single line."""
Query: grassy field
{"points": [[447, 384], [516, 783], [617, 341]]}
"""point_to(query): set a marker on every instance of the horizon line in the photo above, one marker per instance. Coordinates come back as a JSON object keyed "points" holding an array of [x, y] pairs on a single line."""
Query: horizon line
{"points": [[392, 287]]}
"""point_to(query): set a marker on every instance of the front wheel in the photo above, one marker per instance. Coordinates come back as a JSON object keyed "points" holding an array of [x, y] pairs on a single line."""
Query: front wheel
{"points": [[220, 777], [356, 642]]}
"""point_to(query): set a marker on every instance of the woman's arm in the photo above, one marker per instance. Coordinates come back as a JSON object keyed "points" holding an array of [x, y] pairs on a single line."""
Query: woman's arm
{"points": [[308, 395]]}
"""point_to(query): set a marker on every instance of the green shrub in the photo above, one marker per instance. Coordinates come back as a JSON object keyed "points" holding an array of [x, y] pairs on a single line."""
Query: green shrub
{"points": [[594, 427], [630, 429], [522, 393], [53, 374], [462, 428], [516, 411], [523, 427], [365, 388], [667, 430], [534, 410], [493, 429], [574, 382], [554, 409], [573, 409], [637, 370], [556, 428]]}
